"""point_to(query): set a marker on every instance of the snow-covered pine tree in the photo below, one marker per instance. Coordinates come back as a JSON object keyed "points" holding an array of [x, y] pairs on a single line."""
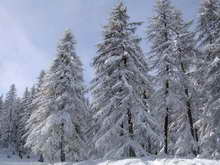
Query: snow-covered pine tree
{"points": [[35, 104], [183, 60], [28, 111], [56, 125], [30, 106], [161, 37], [172, 56], [33, 92], [120, 92], [36, 98], [208, 31], [9, 119], [40, 81], [25, 102], [208, 26], [209, 42], [17, 125]]}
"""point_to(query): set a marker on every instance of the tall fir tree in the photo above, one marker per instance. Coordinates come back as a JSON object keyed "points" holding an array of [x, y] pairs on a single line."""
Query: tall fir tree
{"points": [[25, 102], [172, 58], [121, 91], [184, 60], [57, 124], [9, 126], [16, 135], [35, 104], [160, 36], [209, 42]]}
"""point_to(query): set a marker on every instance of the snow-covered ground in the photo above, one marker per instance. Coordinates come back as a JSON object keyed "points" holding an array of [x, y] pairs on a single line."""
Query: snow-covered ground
{"points": [[145, 161], [15, 160]]}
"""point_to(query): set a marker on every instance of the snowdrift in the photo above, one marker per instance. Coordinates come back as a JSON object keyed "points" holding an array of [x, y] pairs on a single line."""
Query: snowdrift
{"points": [[125, 162]]}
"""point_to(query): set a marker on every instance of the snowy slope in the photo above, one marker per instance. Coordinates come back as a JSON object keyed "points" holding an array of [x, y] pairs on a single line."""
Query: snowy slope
{"points": [[125, 162], [153, 162], [15, 160]]}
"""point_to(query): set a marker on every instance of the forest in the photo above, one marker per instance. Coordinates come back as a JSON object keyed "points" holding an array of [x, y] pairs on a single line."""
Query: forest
{"points": [[163, 103]]}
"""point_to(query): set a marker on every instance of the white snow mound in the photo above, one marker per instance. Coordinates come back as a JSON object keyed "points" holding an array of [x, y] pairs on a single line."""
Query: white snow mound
{"points": [[127, 162]]}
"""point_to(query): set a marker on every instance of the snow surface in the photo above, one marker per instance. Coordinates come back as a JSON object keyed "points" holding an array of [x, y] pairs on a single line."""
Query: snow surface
{"points": [[145, 161]]}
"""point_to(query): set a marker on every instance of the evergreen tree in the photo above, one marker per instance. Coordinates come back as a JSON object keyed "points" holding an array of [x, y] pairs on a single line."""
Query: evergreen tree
{"points": [[160, 35], [36, 97], [57, 123], [121, 91], [184, 59], [35, 104], [172, 57], [40, 81], [25, 102], [16, 137], [209, 42], [208, 26], [9, 126]]}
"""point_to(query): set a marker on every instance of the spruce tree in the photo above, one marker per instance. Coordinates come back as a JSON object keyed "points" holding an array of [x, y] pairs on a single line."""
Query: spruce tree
{"points": [[25, 102], [161, 37], [172, 59], [17, 140], [9, 125], [209, 42], [184, 60], [121, 91], [35, 104], [56, 125]]}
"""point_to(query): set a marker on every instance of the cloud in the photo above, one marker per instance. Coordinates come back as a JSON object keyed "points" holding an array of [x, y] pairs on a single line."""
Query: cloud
{"points": [[20, 60]]}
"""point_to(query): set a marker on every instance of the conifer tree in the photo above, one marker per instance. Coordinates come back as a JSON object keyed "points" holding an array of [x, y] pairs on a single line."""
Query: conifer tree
{"points": [[40, 81], [172, 57], [160, 35], [209, 42], [17, 140], [9, 128], [25, 102], [184, 59], [35, 104], [57, 123], [121, 91]]}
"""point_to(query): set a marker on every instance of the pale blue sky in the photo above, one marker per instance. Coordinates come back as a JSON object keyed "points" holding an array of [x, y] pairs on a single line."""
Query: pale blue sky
{"points": [[30, 29]]}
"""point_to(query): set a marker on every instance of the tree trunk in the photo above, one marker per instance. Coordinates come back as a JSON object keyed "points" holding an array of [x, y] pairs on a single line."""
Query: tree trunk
{"points": [[149, 146], [166, 122], [166, 130], [189, 112], [9, 139], [122, 127], [197, 139], [62, 154], [41, 158], [20, 154], [131, 152], [189, 108]]}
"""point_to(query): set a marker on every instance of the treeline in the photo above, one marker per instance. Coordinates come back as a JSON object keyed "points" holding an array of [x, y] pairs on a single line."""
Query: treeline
{"points": [[167, 102]]}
